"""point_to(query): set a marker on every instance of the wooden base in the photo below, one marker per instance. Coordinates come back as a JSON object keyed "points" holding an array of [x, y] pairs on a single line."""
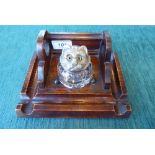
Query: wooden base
{"points": [[78, 111], [107, 97]]}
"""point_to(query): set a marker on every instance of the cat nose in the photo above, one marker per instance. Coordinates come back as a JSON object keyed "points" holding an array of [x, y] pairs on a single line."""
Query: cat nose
{"points": [[74, 63]]}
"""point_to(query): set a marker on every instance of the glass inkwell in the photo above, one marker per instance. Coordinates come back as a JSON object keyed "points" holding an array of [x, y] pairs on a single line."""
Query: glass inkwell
{"points": [[74, 67]]}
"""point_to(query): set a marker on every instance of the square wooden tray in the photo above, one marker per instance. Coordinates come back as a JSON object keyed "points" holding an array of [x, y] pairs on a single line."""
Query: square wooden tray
{"points": [[42, 97]]}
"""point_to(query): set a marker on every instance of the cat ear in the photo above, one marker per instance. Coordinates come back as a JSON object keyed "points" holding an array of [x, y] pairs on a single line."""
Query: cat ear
{"points": [[65, 48], [83, 48]]}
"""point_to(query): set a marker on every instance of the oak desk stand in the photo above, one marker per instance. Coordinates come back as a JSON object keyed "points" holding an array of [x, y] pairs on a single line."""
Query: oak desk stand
{"points": [[41, 96]]}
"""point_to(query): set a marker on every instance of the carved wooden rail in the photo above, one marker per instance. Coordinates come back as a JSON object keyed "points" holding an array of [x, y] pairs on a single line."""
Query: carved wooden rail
{"points": [[43, 53]]}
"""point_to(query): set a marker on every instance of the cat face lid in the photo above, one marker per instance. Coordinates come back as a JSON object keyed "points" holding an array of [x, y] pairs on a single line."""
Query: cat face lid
{"points": [[74, 58]]}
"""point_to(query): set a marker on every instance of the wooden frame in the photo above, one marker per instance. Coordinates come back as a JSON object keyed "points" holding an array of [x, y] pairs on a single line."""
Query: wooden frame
{"points": [[42, 97]]}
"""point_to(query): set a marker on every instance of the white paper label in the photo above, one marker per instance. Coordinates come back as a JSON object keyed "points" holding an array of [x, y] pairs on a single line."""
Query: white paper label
{"points": [[59, 44]]}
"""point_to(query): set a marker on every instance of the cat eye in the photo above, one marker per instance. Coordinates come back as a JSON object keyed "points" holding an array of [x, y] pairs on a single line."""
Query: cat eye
{"points": [[69, 57], [79, 58]]}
